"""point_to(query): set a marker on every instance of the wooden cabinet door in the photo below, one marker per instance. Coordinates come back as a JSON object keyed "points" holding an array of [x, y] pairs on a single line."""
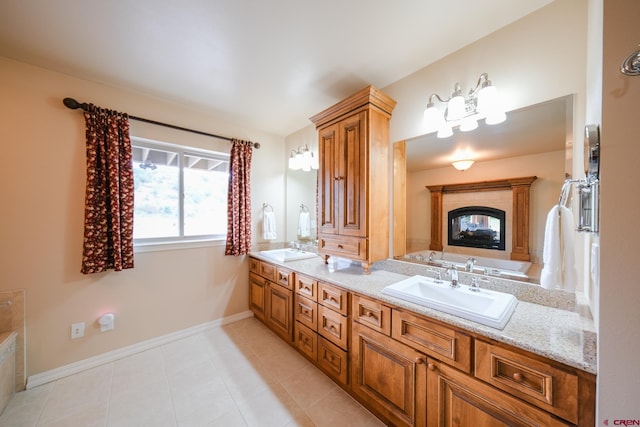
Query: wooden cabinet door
{"points": [[389, 376], [352, 175], [458, 400], [279, 310], [257, 289], [327, 181]]}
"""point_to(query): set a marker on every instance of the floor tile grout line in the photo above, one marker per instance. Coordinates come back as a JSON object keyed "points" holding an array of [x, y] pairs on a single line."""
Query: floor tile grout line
{"points": [[107, 415]]}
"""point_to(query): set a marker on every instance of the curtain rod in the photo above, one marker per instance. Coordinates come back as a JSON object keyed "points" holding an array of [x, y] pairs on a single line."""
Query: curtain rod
{"points": [[74, 105]]}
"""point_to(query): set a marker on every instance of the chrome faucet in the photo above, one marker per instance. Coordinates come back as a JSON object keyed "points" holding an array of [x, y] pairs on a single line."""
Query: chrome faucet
{"points": [[471, 262], [474, 285], [431, 255], [453, 273]]}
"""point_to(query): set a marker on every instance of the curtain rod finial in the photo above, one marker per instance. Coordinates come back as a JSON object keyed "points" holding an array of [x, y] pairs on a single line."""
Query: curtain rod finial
{"points": [[72, 103]]}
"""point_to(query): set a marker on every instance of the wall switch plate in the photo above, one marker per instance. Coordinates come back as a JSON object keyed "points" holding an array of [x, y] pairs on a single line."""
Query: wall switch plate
{"points": [[77, 330]]}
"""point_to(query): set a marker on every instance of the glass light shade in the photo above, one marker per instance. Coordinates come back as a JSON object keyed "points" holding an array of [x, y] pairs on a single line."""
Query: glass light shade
{"points": [[455, 108], [433, 119], [295, 161], [445, 132], [468, 124], [487, 99], [462, 165], [314, 162], [495, 117]]}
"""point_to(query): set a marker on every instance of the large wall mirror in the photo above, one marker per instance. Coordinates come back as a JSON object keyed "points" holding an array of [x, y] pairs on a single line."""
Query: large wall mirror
{"points": [[535, 141]]}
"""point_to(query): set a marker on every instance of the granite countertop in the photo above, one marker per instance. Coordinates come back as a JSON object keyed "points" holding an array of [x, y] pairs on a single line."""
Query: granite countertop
{"points": [[553, 324]]}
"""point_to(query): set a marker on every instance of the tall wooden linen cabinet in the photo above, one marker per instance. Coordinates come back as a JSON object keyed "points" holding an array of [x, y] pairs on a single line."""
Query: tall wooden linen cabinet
{"points": [[353, 179]]}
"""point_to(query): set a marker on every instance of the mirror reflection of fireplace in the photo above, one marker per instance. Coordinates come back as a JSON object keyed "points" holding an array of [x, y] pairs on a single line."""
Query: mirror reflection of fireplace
{"points": [[477, 227]]}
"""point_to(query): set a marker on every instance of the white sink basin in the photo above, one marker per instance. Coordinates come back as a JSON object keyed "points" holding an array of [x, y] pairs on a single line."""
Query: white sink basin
{"points": [[287, 254], [490, 308]]}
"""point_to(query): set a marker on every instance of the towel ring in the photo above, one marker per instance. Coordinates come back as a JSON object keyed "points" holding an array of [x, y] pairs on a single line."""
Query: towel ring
{"points": [[631, 65], [266, 206], [303, 208]]}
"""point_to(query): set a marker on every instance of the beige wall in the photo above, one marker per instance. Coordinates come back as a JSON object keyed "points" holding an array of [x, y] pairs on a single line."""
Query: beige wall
{"points": [[42, 188], [619, 332]]}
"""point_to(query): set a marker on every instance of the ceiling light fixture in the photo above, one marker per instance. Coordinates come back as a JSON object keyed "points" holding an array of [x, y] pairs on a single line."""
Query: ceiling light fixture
{"points": [[463, 165], [481, 103], [303, 159]]}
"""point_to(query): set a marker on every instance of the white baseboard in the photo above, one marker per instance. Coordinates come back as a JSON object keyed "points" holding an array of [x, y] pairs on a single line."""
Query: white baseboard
{"points": [[112, 356]]}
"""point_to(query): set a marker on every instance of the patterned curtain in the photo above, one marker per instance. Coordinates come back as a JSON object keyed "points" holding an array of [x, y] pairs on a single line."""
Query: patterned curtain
{"points": [[239, 199], [108, 214]]}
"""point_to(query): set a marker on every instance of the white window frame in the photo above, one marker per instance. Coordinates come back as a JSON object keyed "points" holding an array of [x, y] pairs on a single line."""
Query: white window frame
{"points": [[181, 241]]}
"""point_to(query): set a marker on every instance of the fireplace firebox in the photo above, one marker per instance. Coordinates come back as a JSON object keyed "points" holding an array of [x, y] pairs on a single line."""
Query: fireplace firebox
{"points": [[477, 227]]}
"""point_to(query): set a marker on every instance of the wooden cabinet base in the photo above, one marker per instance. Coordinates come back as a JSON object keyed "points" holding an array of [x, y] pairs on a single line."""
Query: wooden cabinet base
{"points": [[456, 399]]}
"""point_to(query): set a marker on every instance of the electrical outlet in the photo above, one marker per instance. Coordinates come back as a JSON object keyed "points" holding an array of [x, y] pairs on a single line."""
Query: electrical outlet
{"points": [[77, 330]]}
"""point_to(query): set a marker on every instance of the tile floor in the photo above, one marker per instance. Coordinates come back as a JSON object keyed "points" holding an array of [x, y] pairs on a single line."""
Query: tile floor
{"points": [[240, 374]]}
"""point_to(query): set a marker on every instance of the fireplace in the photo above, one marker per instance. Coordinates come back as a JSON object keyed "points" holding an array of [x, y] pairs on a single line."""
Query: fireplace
{"points": [[519, 226], [477, 227]]}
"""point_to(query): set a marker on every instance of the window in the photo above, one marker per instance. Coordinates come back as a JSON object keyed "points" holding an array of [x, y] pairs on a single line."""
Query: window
{"points": [[180, 193]]}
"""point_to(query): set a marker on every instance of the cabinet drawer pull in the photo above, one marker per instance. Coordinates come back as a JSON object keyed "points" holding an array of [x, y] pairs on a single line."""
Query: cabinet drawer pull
{"points": [[340, 246], [431, 366], [333, 299], [370, 314], [332, 327], [518, 377]]}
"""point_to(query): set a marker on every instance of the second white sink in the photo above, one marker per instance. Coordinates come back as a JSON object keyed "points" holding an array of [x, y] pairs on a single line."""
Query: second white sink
{"points": [[490, 308], [287, 254]]}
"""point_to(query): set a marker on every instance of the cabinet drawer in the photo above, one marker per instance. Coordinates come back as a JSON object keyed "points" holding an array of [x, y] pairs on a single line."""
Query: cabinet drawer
{"points": [[457, 399], [371, 313], [333, 361], [334, 298], [306, 286], [254, 265], [305, 340], [268, 271], [532, 380], [349, 247], [333, 326], [305, 311], [432, 338], [285, 277]]}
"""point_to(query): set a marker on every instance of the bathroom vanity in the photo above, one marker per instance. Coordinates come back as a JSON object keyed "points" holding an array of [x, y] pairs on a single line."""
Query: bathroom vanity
{"points": [[415, 366]]}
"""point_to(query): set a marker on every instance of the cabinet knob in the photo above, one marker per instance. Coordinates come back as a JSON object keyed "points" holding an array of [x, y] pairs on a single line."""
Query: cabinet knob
{"points": [[518, 377], [431, 366], [419, 360]]}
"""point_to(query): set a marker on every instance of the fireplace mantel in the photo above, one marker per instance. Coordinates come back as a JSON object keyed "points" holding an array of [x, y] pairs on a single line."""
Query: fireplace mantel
{"points": [[520, 226]]}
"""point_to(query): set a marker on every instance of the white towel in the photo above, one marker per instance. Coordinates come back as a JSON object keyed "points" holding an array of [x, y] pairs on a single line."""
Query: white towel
{"points": [[304, 225], [269, 226], [558, 256]]}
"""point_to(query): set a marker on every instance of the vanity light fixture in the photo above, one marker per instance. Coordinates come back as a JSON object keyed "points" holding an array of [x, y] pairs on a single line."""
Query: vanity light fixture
{"points": [[481, 103], [463, 165], [304, 159]]}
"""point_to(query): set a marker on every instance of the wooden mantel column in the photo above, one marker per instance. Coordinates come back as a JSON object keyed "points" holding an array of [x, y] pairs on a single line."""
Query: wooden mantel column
{"points": [[520, 225], [436, 217]]}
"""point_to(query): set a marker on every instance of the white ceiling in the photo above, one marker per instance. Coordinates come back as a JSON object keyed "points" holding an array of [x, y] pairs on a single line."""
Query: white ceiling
{"points": [[268, 65]]}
